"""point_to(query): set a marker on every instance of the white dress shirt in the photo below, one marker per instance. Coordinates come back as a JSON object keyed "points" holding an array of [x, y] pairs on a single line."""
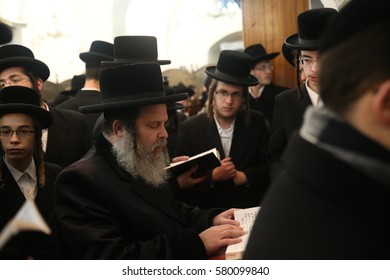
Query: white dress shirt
{"points": [[226, 136], [314, 97], [26, 180]]}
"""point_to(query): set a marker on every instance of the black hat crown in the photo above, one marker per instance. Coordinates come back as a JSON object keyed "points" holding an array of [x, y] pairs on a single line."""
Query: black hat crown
{"points": [[354, 17], [20, 56], [233, 67], [131, 85], [98, 52], [5, 33], [311, 25], [258, 53], [17, 99], [134, 49]]}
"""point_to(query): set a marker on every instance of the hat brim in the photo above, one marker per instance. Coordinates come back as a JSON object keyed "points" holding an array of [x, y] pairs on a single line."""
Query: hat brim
{"points": [[174, 106], [269, 56], [288, 55], [123, 104], [131, 61], [39, 114], [88, 56], [33, 65], [293, 42], [250, 80]]}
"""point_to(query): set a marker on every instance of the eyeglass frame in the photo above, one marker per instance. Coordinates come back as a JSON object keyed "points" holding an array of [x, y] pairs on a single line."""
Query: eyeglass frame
{"points": [[20, 132], [10, 81], [264, 67], [224, 94], [301, 59]]}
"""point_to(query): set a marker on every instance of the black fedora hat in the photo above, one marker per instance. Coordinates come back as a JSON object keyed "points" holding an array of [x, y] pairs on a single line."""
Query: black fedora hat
{"points": [[131, 85], [99, 51], [311, 25], [5, 33], [14, 55], [258, 53], [17, 99], [356, 16], [233, 67], [134, 49]]}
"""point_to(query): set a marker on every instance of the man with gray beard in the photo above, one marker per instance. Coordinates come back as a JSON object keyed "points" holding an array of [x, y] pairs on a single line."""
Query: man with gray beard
{"points": [[117, 201], [138, 160]]}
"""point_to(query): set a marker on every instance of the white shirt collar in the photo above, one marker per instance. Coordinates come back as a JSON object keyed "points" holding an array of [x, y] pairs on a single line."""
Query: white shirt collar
{"points": [[30, 170], [314, 97]]}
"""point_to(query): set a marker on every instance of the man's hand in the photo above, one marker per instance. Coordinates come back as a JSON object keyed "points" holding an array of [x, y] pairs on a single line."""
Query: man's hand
{"points": [[226, 217], [185, 179], [216, 238], [225, 172]]}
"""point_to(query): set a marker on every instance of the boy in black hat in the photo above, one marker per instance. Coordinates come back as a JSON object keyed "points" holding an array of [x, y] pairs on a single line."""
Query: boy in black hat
{"points": [[116, 203], [239, 134], [67, 139], [23, 173], [291, 105], [262, 96], [332, 202]]}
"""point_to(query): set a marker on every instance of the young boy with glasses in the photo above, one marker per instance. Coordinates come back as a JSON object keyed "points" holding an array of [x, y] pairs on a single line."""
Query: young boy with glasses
{"points": [[291, 105], [239, 134], [23, 173]]}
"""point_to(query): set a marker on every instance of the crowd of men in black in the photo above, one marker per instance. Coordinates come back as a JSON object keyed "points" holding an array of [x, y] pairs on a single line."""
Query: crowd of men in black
{"points": [[316, 158]]}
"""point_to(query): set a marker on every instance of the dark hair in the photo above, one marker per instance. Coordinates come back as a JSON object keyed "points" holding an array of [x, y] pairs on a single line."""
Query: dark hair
{"points": [[355, 66], [245, 106], [93, 73]]}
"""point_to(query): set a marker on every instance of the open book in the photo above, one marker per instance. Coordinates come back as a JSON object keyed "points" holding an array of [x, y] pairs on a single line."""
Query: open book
{"points": [[28, 218], [205, 161], [246, 217]]}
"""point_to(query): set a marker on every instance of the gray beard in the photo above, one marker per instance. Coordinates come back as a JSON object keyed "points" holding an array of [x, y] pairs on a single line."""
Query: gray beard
{"points": [[139, 162]]}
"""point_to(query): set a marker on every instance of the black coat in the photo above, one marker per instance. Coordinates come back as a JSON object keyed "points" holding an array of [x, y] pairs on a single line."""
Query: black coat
{"points": [[104, 213], [321, 208], [288, 117], [68, 137], [248, 152], [12, 199], [84, 98], [265, 103]]}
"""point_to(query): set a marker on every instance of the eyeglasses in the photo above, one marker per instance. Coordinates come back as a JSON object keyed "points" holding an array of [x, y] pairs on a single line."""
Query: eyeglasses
{"points": [[224, 94], [265, 67], [23, 132], [307, 61], [13, 81]]}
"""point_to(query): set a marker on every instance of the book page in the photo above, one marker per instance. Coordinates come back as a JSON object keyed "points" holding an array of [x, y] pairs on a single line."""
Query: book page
{"points": [[214, 150], [246, 217], [27, 218]]}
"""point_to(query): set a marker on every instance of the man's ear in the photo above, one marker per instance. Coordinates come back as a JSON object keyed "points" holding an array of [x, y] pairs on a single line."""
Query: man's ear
{"points": [[117, 128], [381, 103], [39, 84]]}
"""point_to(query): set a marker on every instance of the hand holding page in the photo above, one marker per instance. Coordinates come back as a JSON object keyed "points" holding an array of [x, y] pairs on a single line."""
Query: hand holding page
{"points": [[246, 217], [28, 218], [205, 161]]}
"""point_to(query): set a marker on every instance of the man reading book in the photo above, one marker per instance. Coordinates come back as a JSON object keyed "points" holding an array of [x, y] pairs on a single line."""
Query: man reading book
{"points": [[239, 134], [116, 202]]}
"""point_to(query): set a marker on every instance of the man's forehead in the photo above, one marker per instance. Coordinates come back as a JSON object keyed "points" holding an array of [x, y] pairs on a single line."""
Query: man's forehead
{"points": [[153, 111]]}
